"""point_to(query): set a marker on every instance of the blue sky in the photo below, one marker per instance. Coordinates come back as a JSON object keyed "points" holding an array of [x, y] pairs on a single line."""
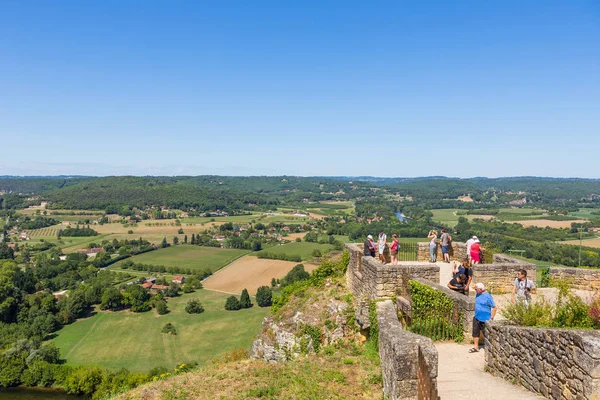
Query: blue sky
{"points": [[465, 88]]}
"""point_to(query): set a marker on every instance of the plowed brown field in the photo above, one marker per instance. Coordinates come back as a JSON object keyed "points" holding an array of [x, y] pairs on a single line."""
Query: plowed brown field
{"points": [[250, 273]]}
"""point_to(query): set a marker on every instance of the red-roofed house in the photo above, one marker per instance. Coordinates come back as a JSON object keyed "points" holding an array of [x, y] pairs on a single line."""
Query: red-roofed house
{"points": [[147, 285], [178, 279]]}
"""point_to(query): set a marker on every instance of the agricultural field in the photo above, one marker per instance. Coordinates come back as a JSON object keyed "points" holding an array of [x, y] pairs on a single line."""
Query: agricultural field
{"points": [[134, 340], [585, 242], [586, 213], [250, 272], [542, 223], [450, 216], [187, 256], [302, 249]]}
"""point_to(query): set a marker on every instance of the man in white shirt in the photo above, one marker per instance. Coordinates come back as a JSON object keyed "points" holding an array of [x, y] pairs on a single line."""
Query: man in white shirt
{"points": [[469, 244], [523, 288]]}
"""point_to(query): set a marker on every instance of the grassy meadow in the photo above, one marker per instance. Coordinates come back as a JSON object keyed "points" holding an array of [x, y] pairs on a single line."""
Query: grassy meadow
{"points": [[187, 256], [134, 340]]}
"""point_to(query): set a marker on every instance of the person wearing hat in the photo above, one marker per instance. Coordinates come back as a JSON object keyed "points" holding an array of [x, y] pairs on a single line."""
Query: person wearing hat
{"points": [[369, 249], [485, 310], [469, 244], [476, 252]]}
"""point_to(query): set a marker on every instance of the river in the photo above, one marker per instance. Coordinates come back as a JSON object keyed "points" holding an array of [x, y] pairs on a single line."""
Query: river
{"points": [[22, 393]]}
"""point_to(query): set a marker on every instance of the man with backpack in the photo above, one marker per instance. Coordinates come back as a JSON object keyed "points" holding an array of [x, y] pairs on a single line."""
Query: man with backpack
{"points": [[523, 288]]}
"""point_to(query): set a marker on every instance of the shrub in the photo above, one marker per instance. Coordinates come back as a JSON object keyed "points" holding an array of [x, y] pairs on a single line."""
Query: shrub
{"points": [[187, 288], [298, 240], [245, 301], [296, 274], [264, 296], [317, 253], [232, 304], [161, 307], [169, 328], [194, 307]]}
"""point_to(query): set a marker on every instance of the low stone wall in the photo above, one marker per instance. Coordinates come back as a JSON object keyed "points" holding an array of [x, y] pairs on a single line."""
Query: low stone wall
{"points": [[578, 278], [464, 306], [369, 278], [457, 252], [399, 353], [499, 277], [557, 363]]}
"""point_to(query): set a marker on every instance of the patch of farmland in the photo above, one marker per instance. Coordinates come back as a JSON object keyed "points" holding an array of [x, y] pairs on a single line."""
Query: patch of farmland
{"points": [[250, 273], [542, 223]]}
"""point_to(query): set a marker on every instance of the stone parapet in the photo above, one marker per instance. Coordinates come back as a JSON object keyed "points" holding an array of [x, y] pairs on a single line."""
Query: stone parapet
{"points": [[399, 352], [500, 277], [367, 277], [578, 278], [557, 363], [457, 251]]}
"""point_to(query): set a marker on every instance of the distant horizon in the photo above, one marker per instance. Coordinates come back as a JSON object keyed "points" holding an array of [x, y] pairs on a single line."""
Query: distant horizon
{"points": [[425, 177]]}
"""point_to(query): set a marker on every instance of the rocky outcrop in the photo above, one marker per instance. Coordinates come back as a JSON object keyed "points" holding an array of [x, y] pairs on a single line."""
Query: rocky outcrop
{"points": [[316, 318]]}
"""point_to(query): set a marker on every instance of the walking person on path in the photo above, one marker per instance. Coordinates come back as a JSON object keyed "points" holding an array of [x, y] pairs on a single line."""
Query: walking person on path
{"points": [[394, 248], [485, 310], [464, 268], [446, 239], [432, 245], [369, 249], [381, 243], [523, 289]]}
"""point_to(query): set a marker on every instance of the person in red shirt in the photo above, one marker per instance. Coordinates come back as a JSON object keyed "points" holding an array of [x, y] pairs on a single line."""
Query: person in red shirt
{"points": [[476, 252]]}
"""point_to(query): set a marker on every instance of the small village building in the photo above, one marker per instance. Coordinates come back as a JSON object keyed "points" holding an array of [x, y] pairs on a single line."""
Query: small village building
{"points": [[178, 279], [147, 285], [91, 252]]}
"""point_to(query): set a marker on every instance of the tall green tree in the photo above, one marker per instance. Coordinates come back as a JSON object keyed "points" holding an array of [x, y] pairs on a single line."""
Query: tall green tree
{"points": [[245, 301]]}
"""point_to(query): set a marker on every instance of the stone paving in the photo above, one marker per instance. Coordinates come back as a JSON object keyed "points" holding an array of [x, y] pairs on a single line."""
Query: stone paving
{"points": [[461, 375]]}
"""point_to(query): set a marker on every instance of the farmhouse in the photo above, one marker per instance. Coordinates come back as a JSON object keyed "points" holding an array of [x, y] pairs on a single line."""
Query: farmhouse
{"points": [[23, 236], [91, 252], [66, 223], [178, 279], [147, 285], [156, 288]]}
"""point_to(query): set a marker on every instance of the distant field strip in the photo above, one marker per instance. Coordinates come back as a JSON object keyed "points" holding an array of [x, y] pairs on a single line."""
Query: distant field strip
{"points": [[43, 232]]}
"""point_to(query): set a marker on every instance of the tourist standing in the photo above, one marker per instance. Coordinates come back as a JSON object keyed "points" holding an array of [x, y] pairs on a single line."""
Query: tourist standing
{"points": [[523, 288], [432, 245], [381, 243], [476, 252], [445, 239], [469, 244], [464, 268], [394, 249], [485, 310], [369, 249], [458, 283]]}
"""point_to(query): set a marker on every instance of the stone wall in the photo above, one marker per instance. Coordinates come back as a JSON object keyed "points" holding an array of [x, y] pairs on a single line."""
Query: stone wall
{"points": [[369, 278], [499, 277], [578, 278], [464, 306], [457, 252], [399, 353], [557, 363]]}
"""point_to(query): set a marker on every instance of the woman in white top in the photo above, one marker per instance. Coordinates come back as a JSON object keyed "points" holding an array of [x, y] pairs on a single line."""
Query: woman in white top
{"points": [[381, 246], [432, 245]]}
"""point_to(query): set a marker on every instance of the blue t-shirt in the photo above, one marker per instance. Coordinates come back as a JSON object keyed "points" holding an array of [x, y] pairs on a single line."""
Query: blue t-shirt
{"points": [[483, 306]]}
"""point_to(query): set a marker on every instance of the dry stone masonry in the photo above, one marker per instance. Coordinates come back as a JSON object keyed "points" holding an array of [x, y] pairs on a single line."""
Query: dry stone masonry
{"points": [[560, 364], [578, 278]]}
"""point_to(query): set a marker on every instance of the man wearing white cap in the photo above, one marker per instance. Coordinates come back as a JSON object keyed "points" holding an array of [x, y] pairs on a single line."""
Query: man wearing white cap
{"points": [[469, 244], [485, 310]]}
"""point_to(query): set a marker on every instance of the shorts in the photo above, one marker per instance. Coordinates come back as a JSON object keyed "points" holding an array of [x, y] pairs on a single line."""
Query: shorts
{"points": [[394, 253], [478, 326], [445, 249]]}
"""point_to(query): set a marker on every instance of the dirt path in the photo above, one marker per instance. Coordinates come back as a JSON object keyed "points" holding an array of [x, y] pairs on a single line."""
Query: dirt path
{"points": [[461, 375]]}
